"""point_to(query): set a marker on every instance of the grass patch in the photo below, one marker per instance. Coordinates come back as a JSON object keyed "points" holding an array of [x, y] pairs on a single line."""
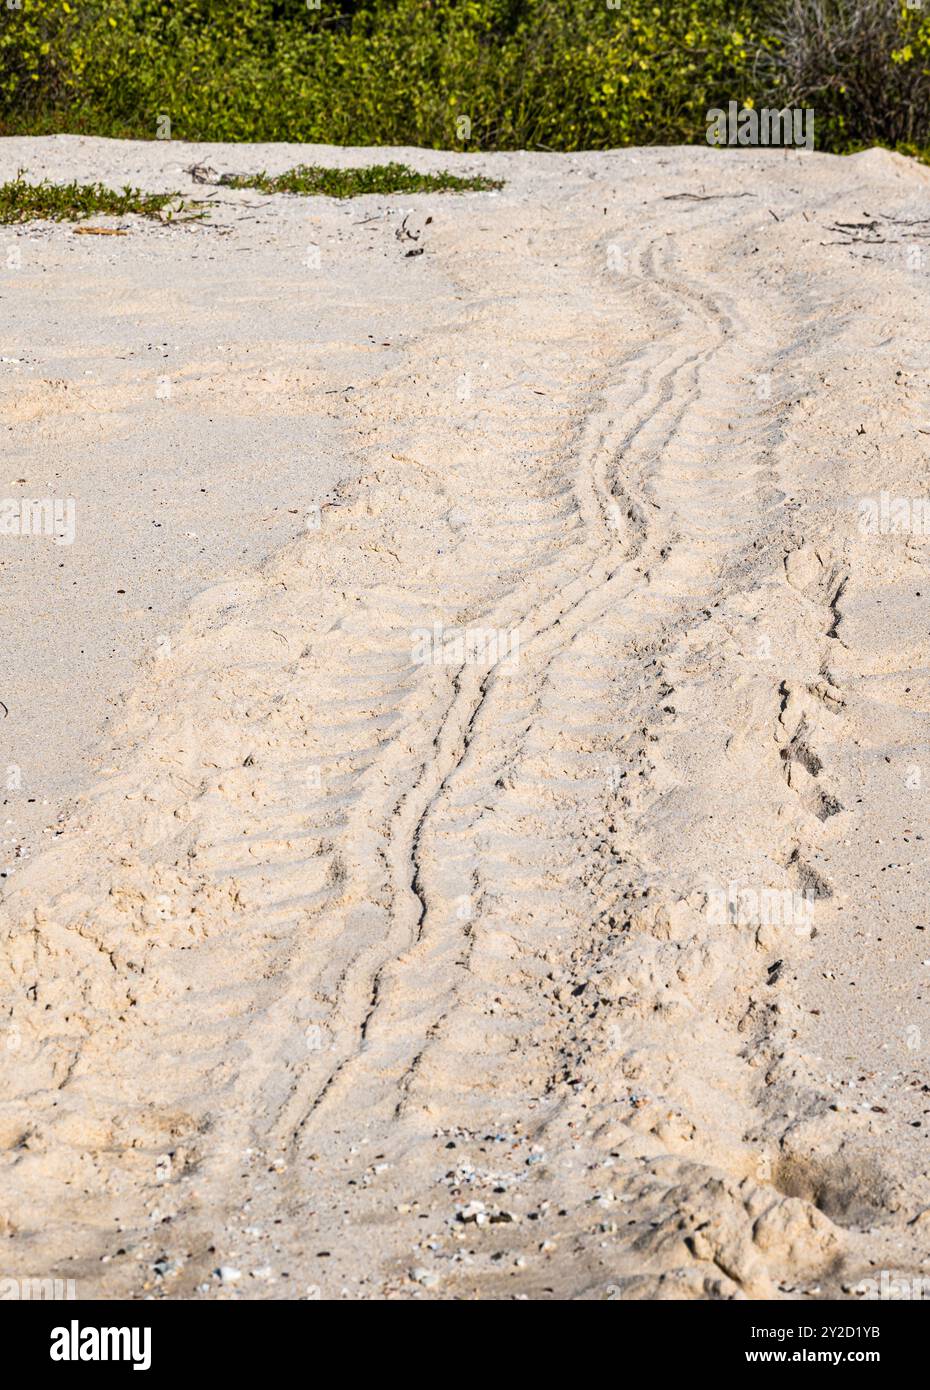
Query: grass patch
{"points": [[70, 202], [310, 179]]}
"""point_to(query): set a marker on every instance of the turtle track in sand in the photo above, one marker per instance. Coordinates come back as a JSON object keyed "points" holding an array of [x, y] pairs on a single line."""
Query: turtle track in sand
{"points": [[350, 940]]}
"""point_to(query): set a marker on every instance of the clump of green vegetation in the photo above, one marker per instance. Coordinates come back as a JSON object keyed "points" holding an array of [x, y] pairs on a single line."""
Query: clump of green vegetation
{"points": [[351, 183], [70, 202], [446, 74]]}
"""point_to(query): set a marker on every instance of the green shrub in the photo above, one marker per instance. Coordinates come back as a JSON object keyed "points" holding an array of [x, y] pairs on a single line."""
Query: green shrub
{"points": [[468, 74], [557, 73]]}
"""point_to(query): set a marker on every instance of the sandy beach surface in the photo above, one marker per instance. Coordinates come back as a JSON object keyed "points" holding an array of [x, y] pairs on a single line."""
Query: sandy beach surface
{"points": [[465, 768]]}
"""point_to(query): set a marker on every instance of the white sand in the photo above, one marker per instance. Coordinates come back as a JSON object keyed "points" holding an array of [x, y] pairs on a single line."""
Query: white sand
{"points": [[336, 944]]}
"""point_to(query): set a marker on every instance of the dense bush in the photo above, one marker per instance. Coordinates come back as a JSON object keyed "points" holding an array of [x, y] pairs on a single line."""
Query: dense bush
{"points": [[560, 74], [862, 65]]}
